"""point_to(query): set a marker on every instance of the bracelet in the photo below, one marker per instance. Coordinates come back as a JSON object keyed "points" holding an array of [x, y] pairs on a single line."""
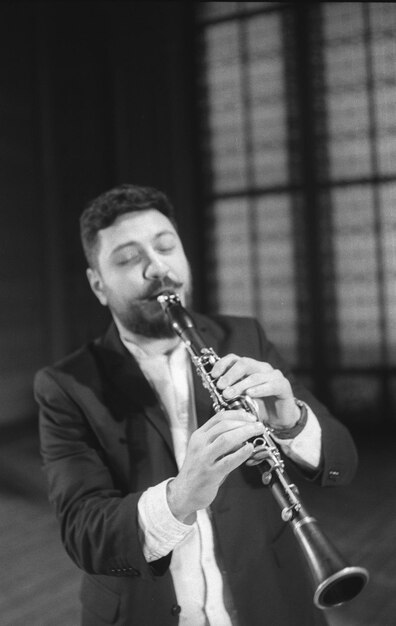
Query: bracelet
{"points": [[290, 433]]}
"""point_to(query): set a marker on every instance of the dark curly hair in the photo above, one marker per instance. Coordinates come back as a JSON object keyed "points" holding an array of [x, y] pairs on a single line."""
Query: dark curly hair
{"points": [[104, 210]]}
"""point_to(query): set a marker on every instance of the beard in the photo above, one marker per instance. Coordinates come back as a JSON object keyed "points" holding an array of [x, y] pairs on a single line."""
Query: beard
{"points": [[145, 316]]}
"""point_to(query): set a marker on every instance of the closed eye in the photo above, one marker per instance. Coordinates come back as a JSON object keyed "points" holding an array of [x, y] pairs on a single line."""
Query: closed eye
{"points": [[126, 256], [166, 243]]}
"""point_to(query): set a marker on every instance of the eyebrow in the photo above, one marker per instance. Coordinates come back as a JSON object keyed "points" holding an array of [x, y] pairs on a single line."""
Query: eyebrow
{"points": [[121, 246]]}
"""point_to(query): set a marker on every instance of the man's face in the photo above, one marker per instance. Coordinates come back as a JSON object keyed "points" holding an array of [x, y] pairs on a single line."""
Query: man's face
{"points": [[140, 256]]}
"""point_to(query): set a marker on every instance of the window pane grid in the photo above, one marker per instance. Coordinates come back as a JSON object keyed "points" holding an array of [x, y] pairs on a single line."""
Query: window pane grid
{"points": [[347, 99], [383, 20], [229, 240], [299, 223], [356, 276], [388, 222], [225, 136], [276, 282]]}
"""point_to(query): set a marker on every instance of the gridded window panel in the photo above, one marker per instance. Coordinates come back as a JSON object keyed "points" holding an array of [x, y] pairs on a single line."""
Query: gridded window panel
{"points": [[350, 155], [347, 100], [338, 71], [301, 102], [225, 139], [348, 121], [246, 149], [383, 50], [216, 10], [276, 280], [266, 98], [388, 229], [356, 276], [213, 10], [342, 19], [230, 255], [386, 129]]}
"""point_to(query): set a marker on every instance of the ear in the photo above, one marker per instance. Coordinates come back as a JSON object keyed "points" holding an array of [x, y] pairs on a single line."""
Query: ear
{"points": [[97, 287]]}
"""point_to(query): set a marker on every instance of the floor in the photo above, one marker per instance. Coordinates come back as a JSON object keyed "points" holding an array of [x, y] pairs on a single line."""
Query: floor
{"points": [[39, 583], [360, 520]]}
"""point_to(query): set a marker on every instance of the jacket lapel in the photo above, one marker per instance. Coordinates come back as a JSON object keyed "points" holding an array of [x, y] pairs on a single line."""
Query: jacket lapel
{"points": [[203, 400], [128, 391]]}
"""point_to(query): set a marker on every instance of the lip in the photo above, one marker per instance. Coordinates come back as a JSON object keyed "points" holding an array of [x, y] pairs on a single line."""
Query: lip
{"points": [[154, 297], [165, 291]]}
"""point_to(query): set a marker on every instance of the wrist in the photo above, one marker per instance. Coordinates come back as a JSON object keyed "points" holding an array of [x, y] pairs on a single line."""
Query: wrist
{"points": [[177, 505], [289, 432]]}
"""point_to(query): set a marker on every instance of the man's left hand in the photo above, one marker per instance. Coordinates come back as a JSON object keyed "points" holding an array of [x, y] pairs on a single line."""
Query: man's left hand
{"points": [[236, 376]]}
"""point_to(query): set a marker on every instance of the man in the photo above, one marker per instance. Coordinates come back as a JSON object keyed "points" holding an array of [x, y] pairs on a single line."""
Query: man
{"points": [[158, 499]]}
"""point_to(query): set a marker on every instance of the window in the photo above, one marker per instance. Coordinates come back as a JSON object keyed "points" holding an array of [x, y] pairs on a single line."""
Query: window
{"points": [[298, 131]]}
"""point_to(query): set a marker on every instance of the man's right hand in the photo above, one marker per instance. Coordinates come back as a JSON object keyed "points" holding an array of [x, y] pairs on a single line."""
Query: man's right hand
{"points": [[214, 450]]}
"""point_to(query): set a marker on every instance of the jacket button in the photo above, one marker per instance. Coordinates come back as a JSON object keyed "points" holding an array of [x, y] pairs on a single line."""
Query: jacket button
{"points": [[176, 609], [333, 475]]}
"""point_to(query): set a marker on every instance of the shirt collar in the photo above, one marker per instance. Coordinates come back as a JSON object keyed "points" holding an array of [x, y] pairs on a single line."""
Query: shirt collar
{"points": [[144, 348]]}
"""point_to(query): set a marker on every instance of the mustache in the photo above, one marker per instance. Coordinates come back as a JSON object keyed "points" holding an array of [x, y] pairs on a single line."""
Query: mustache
{"points": [[159, 286]]}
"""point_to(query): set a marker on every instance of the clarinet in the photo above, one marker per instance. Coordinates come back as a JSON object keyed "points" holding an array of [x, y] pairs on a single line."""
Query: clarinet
{"points": [[334, 580]]}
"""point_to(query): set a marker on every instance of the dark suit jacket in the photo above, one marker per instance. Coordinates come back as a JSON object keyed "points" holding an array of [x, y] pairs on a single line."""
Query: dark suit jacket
{"points": [[105, 439]]}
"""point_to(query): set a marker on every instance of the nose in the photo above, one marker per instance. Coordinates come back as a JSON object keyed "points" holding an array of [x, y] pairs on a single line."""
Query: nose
{"points": [[155, 268]]}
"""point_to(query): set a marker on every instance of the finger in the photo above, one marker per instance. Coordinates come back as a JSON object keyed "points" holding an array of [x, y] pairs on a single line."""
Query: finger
{"points": [[233, 460], [228, 416], [260, 385], [224, 428], [223, 364], [253, 461], [258, 457], [277, 386], [231, 440], [254, 381], [241, 369], [240, 419]]}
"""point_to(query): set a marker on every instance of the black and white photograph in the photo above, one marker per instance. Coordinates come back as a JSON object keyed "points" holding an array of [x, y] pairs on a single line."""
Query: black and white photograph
{"points": [[198, 290]]}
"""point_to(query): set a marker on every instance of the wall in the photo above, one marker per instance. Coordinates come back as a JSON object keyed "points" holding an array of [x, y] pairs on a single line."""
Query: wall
{"points": [[92, 94]]}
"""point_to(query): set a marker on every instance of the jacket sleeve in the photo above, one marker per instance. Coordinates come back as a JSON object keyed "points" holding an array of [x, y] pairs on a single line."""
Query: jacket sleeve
{"points": [[339, 455], [98, 523]]}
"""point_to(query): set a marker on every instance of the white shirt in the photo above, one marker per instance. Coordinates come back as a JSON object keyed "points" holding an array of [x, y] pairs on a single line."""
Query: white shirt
{"points": [[196, 576]]}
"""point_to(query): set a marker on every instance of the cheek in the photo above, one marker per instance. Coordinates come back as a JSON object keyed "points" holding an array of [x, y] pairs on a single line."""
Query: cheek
{"points": [[181, 267], [117, 293], [123, 284]]}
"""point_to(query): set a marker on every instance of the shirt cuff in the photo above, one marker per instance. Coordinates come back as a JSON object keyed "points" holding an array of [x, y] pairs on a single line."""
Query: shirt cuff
{"points": [[305, 448], [159, 530]]}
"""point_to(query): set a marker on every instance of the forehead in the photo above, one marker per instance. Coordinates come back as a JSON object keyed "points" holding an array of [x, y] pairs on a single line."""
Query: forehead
{"points": [[137, 227]]}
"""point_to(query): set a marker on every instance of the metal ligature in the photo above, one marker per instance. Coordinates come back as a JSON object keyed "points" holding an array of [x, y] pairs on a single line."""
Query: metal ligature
{"points": [[335, 582]]}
